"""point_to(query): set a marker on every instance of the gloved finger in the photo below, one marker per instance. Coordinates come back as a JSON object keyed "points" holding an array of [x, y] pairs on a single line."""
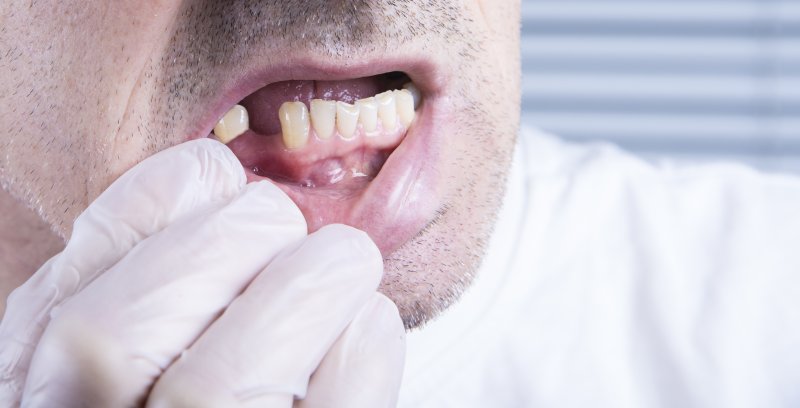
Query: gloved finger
{"points": [[154, 302], [263, 349], [170, 185], [364, 367]]}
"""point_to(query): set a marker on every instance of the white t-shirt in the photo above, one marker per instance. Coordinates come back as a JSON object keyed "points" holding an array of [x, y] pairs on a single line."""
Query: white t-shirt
{"points": [[612, 282]]}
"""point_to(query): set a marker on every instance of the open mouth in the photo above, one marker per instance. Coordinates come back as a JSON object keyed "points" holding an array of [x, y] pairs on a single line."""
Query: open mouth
{"points": [[324, 135], [355, 150]]}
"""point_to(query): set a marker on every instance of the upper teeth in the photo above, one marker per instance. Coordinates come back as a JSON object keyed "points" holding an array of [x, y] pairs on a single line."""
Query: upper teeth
{"points": [[393, 110]]}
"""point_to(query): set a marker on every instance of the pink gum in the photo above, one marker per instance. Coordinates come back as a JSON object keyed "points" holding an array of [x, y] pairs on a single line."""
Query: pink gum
{"points": [[335, 146]]}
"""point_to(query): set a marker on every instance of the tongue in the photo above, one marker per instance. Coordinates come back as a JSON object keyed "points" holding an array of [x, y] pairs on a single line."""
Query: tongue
{"points": [[263, 104]]}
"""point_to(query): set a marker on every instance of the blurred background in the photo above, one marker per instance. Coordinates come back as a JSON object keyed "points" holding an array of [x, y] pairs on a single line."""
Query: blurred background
{"points": [[687, 80]]}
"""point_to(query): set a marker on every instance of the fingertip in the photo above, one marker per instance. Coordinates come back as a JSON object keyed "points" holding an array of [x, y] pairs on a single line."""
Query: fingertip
{"points": [[364, 367], [352, 242], [265, 205], [183, 175], [211, 153], [355, 238], [273, 193], [203, 161], [381, 316]]}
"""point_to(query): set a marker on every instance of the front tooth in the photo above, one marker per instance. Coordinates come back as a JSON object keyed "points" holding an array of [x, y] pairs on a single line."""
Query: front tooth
{"points": [[346, 119], [387, 111], [323, 117], [410, 87], [294, 124], [368, 114], [232, 124], [405, 106]]}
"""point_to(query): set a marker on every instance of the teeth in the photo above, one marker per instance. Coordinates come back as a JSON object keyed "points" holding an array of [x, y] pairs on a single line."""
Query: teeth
{"points": [[294, 124], [405, 106], [328, 117], [232, 124], [323, 117], [368, 114], [346, 119], [410, 87], [387, 112]]}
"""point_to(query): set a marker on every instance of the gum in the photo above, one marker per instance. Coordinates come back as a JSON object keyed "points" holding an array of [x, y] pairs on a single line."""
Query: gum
{"points": [[321, 162]]}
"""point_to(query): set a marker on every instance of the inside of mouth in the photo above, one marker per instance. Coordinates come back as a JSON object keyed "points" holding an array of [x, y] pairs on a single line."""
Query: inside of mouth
{"points": [[318, 166]]}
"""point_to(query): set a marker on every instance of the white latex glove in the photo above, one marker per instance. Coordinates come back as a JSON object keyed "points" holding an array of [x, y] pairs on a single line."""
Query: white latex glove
{"points": [[152, 264]]}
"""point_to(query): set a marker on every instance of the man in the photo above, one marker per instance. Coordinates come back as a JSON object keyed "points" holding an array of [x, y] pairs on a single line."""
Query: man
{"points": [[198, 273]]}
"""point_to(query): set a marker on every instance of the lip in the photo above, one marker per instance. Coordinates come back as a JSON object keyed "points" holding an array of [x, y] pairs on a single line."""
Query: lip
{"points": [[402, 199]]}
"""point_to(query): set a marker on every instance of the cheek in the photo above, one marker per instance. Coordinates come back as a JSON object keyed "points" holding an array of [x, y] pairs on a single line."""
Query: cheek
{"points": [[76, 78], [499, 14], [133, 38], [500, 22]]}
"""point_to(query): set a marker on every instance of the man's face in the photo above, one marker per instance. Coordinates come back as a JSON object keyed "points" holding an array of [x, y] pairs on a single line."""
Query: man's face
{"points": [[88, 89]]}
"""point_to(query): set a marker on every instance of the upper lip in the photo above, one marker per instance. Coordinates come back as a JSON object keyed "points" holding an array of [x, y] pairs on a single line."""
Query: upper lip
{"points": [[395, 206]]}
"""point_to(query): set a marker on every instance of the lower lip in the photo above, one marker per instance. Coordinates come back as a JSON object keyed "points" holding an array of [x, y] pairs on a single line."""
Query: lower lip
{"points": [[397, 204]]}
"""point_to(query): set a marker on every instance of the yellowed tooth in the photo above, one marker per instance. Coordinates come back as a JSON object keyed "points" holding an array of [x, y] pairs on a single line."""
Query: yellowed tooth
{"points": [[368, 114], [294, 124], [323, 117], [387, 111], [405, 106], [346, 119], [410, 87], [232, 124]]}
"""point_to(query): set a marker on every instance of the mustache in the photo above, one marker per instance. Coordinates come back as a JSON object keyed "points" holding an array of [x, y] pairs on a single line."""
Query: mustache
{"points": [[316, 22], [210, 37], [224, 30]]}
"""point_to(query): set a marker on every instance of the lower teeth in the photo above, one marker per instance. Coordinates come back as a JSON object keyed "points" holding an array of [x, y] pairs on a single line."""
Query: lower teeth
{"points": [[391, 109]]}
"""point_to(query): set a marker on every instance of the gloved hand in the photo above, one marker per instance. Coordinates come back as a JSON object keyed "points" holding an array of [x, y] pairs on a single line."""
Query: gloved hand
{"points": [[183, 286]]}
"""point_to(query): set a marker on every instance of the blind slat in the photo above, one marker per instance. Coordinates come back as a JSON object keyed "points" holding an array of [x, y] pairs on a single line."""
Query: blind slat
{"points": [[666, 75]]}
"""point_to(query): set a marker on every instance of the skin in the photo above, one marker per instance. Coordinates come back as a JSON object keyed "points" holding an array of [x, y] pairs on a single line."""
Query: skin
{"points": [[91, 88]]}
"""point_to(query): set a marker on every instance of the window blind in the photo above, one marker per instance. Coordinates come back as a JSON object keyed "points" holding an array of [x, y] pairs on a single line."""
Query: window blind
{"points": [[676, 77]]}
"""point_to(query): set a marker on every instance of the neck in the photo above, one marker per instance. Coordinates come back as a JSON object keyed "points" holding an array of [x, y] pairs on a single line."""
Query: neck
{"points": [[26, 242]]}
